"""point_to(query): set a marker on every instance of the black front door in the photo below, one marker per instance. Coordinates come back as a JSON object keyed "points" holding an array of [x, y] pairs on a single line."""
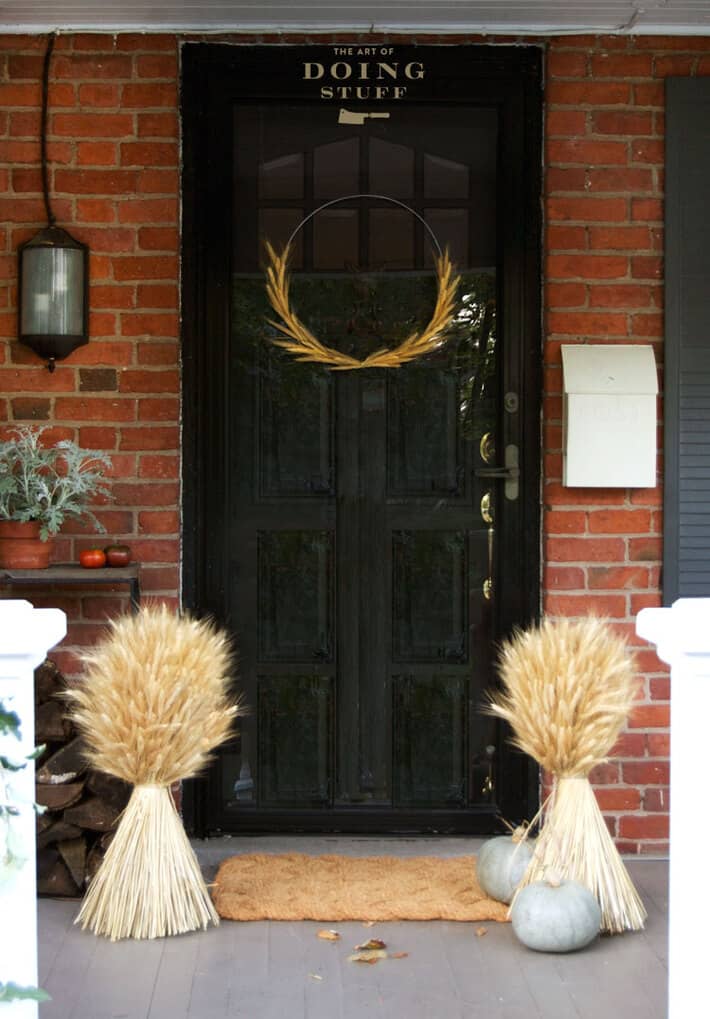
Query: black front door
{"points": [[354, 529]]}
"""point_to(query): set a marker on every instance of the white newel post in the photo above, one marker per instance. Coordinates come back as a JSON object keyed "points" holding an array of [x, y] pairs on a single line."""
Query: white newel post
{"points": [[682, 636], [26, 634]]}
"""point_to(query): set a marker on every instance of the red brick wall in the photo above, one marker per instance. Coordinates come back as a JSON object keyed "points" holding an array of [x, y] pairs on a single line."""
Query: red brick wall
{"points": [[604, 154], [114, 155], [113, 150]]}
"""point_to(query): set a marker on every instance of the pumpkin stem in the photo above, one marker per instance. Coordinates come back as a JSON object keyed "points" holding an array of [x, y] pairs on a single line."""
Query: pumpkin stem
{"points": [[519, 834]]}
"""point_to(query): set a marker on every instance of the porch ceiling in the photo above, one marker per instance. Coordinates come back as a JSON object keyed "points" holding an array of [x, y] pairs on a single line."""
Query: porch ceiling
{"points": [[526, 17]]}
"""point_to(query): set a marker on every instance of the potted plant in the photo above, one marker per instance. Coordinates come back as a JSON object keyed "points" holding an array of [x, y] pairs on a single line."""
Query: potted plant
{"points": [[41, 485]]}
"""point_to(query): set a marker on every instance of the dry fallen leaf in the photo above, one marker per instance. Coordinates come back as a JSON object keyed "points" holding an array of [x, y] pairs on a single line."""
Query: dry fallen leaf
{"points": [[481, 931], [373, 943], [369, 956], [327, 935], [398, 955], [315, 976]]}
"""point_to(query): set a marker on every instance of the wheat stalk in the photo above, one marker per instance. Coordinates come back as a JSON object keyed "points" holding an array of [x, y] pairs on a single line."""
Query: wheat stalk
{"points": [[153, 704], [306, 347], [568, 687]]}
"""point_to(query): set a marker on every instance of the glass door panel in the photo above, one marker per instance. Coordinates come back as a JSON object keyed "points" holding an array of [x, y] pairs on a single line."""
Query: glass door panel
{"points": [[359, 548]]}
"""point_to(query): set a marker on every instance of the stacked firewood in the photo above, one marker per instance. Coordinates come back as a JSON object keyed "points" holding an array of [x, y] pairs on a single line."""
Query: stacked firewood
{"points": [[82, 806]]}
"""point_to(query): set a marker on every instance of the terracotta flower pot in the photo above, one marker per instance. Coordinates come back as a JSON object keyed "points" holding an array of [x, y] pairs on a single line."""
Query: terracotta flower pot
{"points": [[21, 548]]}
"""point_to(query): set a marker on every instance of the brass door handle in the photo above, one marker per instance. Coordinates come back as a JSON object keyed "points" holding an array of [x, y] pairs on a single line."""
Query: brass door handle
{"points": [[488, 582], [509, 472], [487, 508], [487, 448]]}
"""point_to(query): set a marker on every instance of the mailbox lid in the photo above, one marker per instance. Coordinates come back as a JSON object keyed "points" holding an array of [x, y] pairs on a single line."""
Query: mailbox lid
{"points": [[620, 369]]}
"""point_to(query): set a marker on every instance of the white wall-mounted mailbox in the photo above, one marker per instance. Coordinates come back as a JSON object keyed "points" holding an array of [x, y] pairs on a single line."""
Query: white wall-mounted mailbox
{"points": [[609, 416]]}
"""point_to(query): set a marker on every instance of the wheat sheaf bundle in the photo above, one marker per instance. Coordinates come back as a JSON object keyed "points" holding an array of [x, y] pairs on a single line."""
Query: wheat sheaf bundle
{"points": [[153, 703], [306, 347], [568, 687]]}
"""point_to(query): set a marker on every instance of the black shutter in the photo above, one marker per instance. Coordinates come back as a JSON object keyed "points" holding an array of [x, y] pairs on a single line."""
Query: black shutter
{"points": [[686, 556]]}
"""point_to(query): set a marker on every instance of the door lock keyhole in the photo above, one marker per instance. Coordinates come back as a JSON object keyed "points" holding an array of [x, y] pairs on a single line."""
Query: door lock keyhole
{"points": [[511, 403]]}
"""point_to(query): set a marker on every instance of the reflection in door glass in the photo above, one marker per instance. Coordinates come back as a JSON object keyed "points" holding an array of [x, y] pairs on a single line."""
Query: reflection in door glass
{"points": [[429, 596], [430, 740], [294, 761]]}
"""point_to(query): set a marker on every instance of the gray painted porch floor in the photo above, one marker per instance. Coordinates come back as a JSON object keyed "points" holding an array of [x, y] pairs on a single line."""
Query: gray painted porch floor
{"points": [[271, 970]]}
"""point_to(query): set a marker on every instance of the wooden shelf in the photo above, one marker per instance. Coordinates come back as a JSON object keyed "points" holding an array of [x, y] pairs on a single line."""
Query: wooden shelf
{"points": [[71, 574]]}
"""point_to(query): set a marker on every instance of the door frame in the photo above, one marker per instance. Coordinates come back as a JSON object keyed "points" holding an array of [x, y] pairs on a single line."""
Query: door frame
{"points": [[509, 76]]}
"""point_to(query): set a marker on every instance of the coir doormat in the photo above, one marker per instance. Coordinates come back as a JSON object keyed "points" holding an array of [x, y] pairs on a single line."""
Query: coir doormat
{"points": [[294, 886]]}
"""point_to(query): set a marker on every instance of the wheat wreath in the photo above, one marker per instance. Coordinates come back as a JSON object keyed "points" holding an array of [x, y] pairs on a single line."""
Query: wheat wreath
{"points": [[306, 347]]}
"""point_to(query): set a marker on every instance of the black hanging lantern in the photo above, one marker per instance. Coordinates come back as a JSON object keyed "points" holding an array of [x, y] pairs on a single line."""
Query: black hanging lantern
{"points": [[53, 276], [53, 293]]}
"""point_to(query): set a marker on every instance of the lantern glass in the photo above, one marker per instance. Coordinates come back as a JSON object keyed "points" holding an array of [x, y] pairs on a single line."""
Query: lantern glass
{"points": [[54, 294], [52, 300]]}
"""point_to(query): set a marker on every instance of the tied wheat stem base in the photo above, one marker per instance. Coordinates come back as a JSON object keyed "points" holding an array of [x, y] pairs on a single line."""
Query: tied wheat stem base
{"points": [[575, 843], [149, 860]]}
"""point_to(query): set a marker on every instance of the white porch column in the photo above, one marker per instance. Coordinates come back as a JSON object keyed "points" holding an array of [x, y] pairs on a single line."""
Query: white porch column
{"points": [[26, 634], [682, 636]]}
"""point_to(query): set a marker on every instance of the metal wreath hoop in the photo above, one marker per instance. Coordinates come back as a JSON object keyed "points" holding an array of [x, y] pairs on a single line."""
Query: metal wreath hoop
{"points": [[301, 342]]}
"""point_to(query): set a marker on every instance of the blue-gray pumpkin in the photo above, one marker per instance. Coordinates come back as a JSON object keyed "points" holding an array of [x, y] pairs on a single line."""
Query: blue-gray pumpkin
{"points": [[555, 916], [501, 864]]}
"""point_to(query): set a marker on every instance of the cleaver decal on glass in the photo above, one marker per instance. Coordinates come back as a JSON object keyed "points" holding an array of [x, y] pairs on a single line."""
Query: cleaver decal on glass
{"points": [[352, 117]]}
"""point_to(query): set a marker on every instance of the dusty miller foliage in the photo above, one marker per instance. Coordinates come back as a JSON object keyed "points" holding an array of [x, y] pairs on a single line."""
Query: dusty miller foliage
{"points": [[49, 483]]}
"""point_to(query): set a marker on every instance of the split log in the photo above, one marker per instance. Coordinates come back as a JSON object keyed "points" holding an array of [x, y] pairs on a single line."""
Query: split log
{"points": [[93, 862], [51, 724], [73, 852], [53, 877], [48, 681], [58, 831], [59, 797], [92, 813], [106, 787], [65, 765], [43, 821], [96, 855]]}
